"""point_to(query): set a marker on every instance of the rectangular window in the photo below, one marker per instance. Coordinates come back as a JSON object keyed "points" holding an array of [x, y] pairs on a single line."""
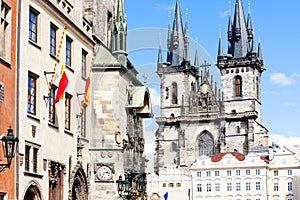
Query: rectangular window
{"points": [[35, 159], [275, 172], [68, 111], [198, 174], [248, 186], [27, 157], [2, 195], [52, 105], [238, 186], [171, 185], [229, 186], [228, 172], [199, 187], [33, 25], [31, 94], [83, 122], [290, 186], [83, 64], [290, 172], [217, 187], [5, 31], [257, 171], [53, 30], [217, 173], [275, 186], [247, 171], [238, 172], [257, 185], [208, 187], [68, 51], [208, 173]]}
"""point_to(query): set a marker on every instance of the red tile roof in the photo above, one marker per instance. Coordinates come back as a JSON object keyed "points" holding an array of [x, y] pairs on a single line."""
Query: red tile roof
{"points": [[218, 157]]}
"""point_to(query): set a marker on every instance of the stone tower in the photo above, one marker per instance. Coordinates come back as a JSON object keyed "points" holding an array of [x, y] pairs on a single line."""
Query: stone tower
{"points": [[189, 124], [196, 117], [241, 70]]}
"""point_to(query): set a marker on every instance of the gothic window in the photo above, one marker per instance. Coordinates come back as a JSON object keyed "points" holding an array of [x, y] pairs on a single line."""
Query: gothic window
{"points": [[174, 93], [257, 87], [206, 144], [238, 86], [173, 147]]}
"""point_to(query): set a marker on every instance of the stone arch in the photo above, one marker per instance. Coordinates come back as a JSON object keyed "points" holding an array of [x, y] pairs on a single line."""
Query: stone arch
{"points": [[78, 184], [205, 143], [33, 191]]}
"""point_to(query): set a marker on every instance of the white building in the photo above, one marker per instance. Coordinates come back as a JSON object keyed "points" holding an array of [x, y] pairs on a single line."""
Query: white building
{"points": [[256, 176]]}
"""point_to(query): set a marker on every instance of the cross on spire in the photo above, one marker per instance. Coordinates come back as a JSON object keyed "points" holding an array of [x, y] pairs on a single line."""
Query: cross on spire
{"points": [[205, 65]]}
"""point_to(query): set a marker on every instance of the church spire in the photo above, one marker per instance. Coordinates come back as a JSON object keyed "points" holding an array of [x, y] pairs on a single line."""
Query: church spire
{"points": [[186, 39], [196, 61], [249, 24], [119, 34], [220, 51], [239, 37], [177, 40]]}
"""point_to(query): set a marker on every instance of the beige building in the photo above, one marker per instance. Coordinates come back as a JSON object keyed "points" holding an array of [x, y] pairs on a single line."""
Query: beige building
{"points": [[53, 137], [256, 176]]}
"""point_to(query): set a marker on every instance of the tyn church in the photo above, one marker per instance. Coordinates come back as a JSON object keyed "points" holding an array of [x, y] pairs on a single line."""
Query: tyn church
{"points": [[198, 118]]}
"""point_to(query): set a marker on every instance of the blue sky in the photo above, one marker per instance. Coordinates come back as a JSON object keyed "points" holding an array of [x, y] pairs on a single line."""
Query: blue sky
{"points": [[276, 24]]}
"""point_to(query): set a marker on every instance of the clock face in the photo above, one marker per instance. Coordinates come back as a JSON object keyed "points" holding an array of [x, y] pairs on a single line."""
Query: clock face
{"points": [[104, 173]]}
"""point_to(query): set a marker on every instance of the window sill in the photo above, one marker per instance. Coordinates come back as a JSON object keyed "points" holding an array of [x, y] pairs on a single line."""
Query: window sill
{"points": [[34, 44], [68, 132], [54, 57], [5, 62], [52, 125], [70, 68], [35, 175], [31, 116]]}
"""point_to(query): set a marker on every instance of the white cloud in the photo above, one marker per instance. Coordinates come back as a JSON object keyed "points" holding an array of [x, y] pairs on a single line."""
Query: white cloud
{"points": [[270, 92], [282, 79], [283, 140]]}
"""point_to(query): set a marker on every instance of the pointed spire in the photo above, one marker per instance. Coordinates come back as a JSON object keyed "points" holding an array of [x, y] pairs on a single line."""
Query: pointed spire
{"points": [[169, 32], [220, 51], [253, 50], [177, 41], [259, 52], [229, 31], [249, 24], [120, 11], [239, 32], [196, 61], [186, 38]]}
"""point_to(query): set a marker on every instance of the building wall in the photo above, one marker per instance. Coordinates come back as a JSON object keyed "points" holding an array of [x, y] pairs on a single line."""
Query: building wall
{"points": [[7, 93], [53, 141]]}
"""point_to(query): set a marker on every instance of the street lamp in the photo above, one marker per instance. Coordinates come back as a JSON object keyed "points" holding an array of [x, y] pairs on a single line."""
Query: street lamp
{"points": [[125, 189], [9, 144]]}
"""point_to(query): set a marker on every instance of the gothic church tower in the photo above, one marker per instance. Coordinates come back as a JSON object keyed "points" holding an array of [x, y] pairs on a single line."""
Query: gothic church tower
{"points": [[241, 70]]}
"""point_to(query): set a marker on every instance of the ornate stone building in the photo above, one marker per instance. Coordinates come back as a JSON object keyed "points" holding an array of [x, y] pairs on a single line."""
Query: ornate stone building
{"points": [[196, 117]]}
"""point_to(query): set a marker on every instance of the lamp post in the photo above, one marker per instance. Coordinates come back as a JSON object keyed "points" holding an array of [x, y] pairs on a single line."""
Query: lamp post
{"points": [[125, 189], [9, 144]]}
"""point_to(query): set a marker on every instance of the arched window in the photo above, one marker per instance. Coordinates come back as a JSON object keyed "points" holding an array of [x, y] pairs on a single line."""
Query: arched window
{"points": [[174, 93], [238, 86], [206, 144]]}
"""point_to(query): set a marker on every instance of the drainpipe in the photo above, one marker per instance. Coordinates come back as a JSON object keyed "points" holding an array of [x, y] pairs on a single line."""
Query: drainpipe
{"points": [[18, 96]]}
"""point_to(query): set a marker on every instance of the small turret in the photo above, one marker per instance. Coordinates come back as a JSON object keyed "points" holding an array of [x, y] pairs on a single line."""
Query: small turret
{"points": [[186, 39], [259, 52], [159, 61], [229, 32]]}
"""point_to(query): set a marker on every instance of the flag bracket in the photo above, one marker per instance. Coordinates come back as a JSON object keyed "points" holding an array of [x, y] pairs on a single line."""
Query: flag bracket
{"points": [[45, 97], [45, 73], [80, 94]]}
